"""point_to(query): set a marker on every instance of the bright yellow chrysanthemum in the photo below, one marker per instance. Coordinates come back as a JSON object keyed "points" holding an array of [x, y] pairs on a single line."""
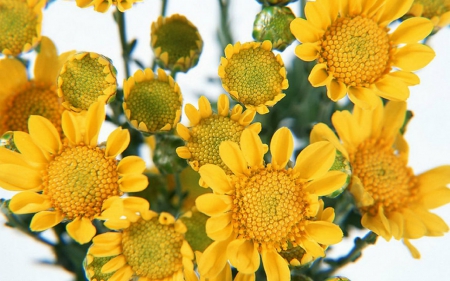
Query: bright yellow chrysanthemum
{"points": [[86, 78], [176, 43], [261, 209], [438, 11], [69, 180], [149, 247], [152, 103], [21, 97], [393, 201], [20, 25], [103, 6], [253, 75], [209, 129], [356, 54]]}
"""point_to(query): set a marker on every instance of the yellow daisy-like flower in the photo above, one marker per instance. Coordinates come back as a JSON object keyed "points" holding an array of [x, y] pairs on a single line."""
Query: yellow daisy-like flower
{"points": [[438, 11], [103, 6], [355, 52], [69, 180], [20, 25], [209, 129], [176, 43], [86, 78], [150, 247], [261, 208], [253, 75], [393, 201], [21, 97], [151, 103]]}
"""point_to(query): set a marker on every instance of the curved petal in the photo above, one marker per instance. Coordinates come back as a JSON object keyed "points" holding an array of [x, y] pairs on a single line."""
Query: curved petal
{"points": [[192, 114], [312, 248], [45, 220], [94, 120], [305, 31], [330, 182], [46, 68], [244, 277], [213, 259], [223, 105], [213, 204], [436, 198], [315, 160], [336, 90], [394, 117], [317, 15], [131, 165], [125, 273], [319, 75], [44, 134], [378, 224], [414, 252], [363, 97], [28, 148], [27, 202], [13, 74], [219, 228], [204, 107], [369, 123], [215, 177], [393, 10], [435, 225], [133, 182], [233, 157], [71, 128], [412, 30], [413, 57], [81, 230], [281, 147], [414, 227], [323, 232], [321, 132], [108, 239], [347, 129], [16, 178], [252, 148], [409, 78], [308, 51], [275, 266], [117, 142], [392, 88], [396, 224], [434, 178], [244, 255], [114, 264]]}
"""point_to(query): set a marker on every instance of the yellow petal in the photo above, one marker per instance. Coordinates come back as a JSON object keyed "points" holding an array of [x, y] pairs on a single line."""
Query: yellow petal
{"points": [[369, 123], [108, 239], [378, 224], [305, 31], [94, 120], [215, 178], [28, 148], [413, 57], [233, 157], [315, 160], [392, 88], [13, 75], [330, 182], [102, 251], [347, 129], [81, 230], [412, 30], [223, 105], [409, 78], [46, 67], [276, 267], [192, 114], [16, 178], [244, 277], [114, 264], [219, 228], [317, 15], [319, 75], [308, 51], [214, 259], [45, 220], [252, 148], [183, 132], [414, 252], [396, 224], [393, 10], [133, 182], [213, 204], [281, 147], [323, 232], [131, 165], [414, 227], [243, 254], [44, 134], [27, 202], [435, 225], [362, 197], [436, 198], [11, 157], [117, 142], [363, 97], [336, 90], [204, 107], [71, 128], [312, 248], [125, 273], [394, 117], [321, 132], [434, 178]]}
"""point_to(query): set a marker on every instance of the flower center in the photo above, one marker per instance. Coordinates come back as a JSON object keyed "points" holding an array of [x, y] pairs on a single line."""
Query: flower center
{"points": [[155, 103], [255, 75], [384, 175], [357, 51], [432, 8], [19, 25], [79, 179], [207, 136], [32, 99], [269, 207], [153, 250]]}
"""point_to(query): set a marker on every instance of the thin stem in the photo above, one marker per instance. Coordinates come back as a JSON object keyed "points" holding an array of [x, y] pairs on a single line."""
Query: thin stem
{"points": [[164, 7], [225, 36], [179, 191], [120, 19]]}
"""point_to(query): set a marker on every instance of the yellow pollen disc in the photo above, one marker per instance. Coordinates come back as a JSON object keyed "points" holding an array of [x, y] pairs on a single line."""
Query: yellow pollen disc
{"points": [[79, 180], [384, 175], [255, 75], [432, 8], [269, 207], [155, 103], [356, 50], [153, 250], [18, 25], [32, 99], [207, 136]]}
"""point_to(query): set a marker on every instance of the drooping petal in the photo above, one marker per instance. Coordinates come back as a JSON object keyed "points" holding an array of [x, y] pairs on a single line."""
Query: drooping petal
{"points": [[392, 88], [27, 202], [275, 266], [133, 182], [330, 182], [336, 90], [94, 120], [244, 277], [213, 204], [396, 224], [244, 255], [315, 160], [117, 142], [125, 273], [17, 178], [324, 232], [13, 74], [215, 177], [363, 97], [28, 148], [378, 224], [252, 148], [312, 247], [81, 230], [319, 76], [413, 57], [219, 228], [347, 129], [308, 51], [414, 252], [322, 132], [305, 31], [46, 67], [233, 157], [412, 30], [45, 220], [435, 225], [414, 227], [281, 147], [114, 264], [131, 165], [44, 134], [214, 259], [394, 117]]}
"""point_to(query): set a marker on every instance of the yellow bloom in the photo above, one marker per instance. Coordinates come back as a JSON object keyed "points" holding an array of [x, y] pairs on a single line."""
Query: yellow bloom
{"points": [[262, 208], [21, 97], [355, 54], [103, 6], [438, 11], [208, 129], [176, 43], [69, 180], [20, 25], [393, 201], [152, 103], [150, 247], [253, 75], [86, 78]]}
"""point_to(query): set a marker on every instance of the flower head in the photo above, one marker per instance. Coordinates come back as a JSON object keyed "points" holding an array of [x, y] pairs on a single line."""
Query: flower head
{"points": [[253, 75], [152, 103], [176, 43], [20, 25], [209, 129], [103, 6], [355, 52], [150, 247], [261, 209], [86, 78], [393, 201], [438, 11], [71, 179], [20, 97]]}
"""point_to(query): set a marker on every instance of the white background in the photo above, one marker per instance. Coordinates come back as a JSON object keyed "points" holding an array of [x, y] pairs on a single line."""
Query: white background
{"points": [[428, 133]]}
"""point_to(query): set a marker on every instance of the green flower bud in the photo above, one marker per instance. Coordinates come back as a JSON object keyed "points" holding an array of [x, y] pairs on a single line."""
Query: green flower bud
{"points": [[7, 141], [275, 2], [196, 230]]}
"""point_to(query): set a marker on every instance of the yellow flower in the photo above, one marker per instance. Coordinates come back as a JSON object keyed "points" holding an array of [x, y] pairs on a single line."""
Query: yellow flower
{"points": [[69, 180], [86, 78], [262, 208], [393, 201], [102, 6], [152, 103], [208, 129], [150, 247], [176, 43], [253, 75], [20, 25], [21, 97], [355, 54], [438, 11]]}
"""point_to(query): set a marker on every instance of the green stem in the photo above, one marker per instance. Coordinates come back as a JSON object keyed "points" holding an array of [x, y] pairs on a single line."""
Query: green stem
{"points": [[225, 36], [120, 19], [164, 7], [179, 191]]}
